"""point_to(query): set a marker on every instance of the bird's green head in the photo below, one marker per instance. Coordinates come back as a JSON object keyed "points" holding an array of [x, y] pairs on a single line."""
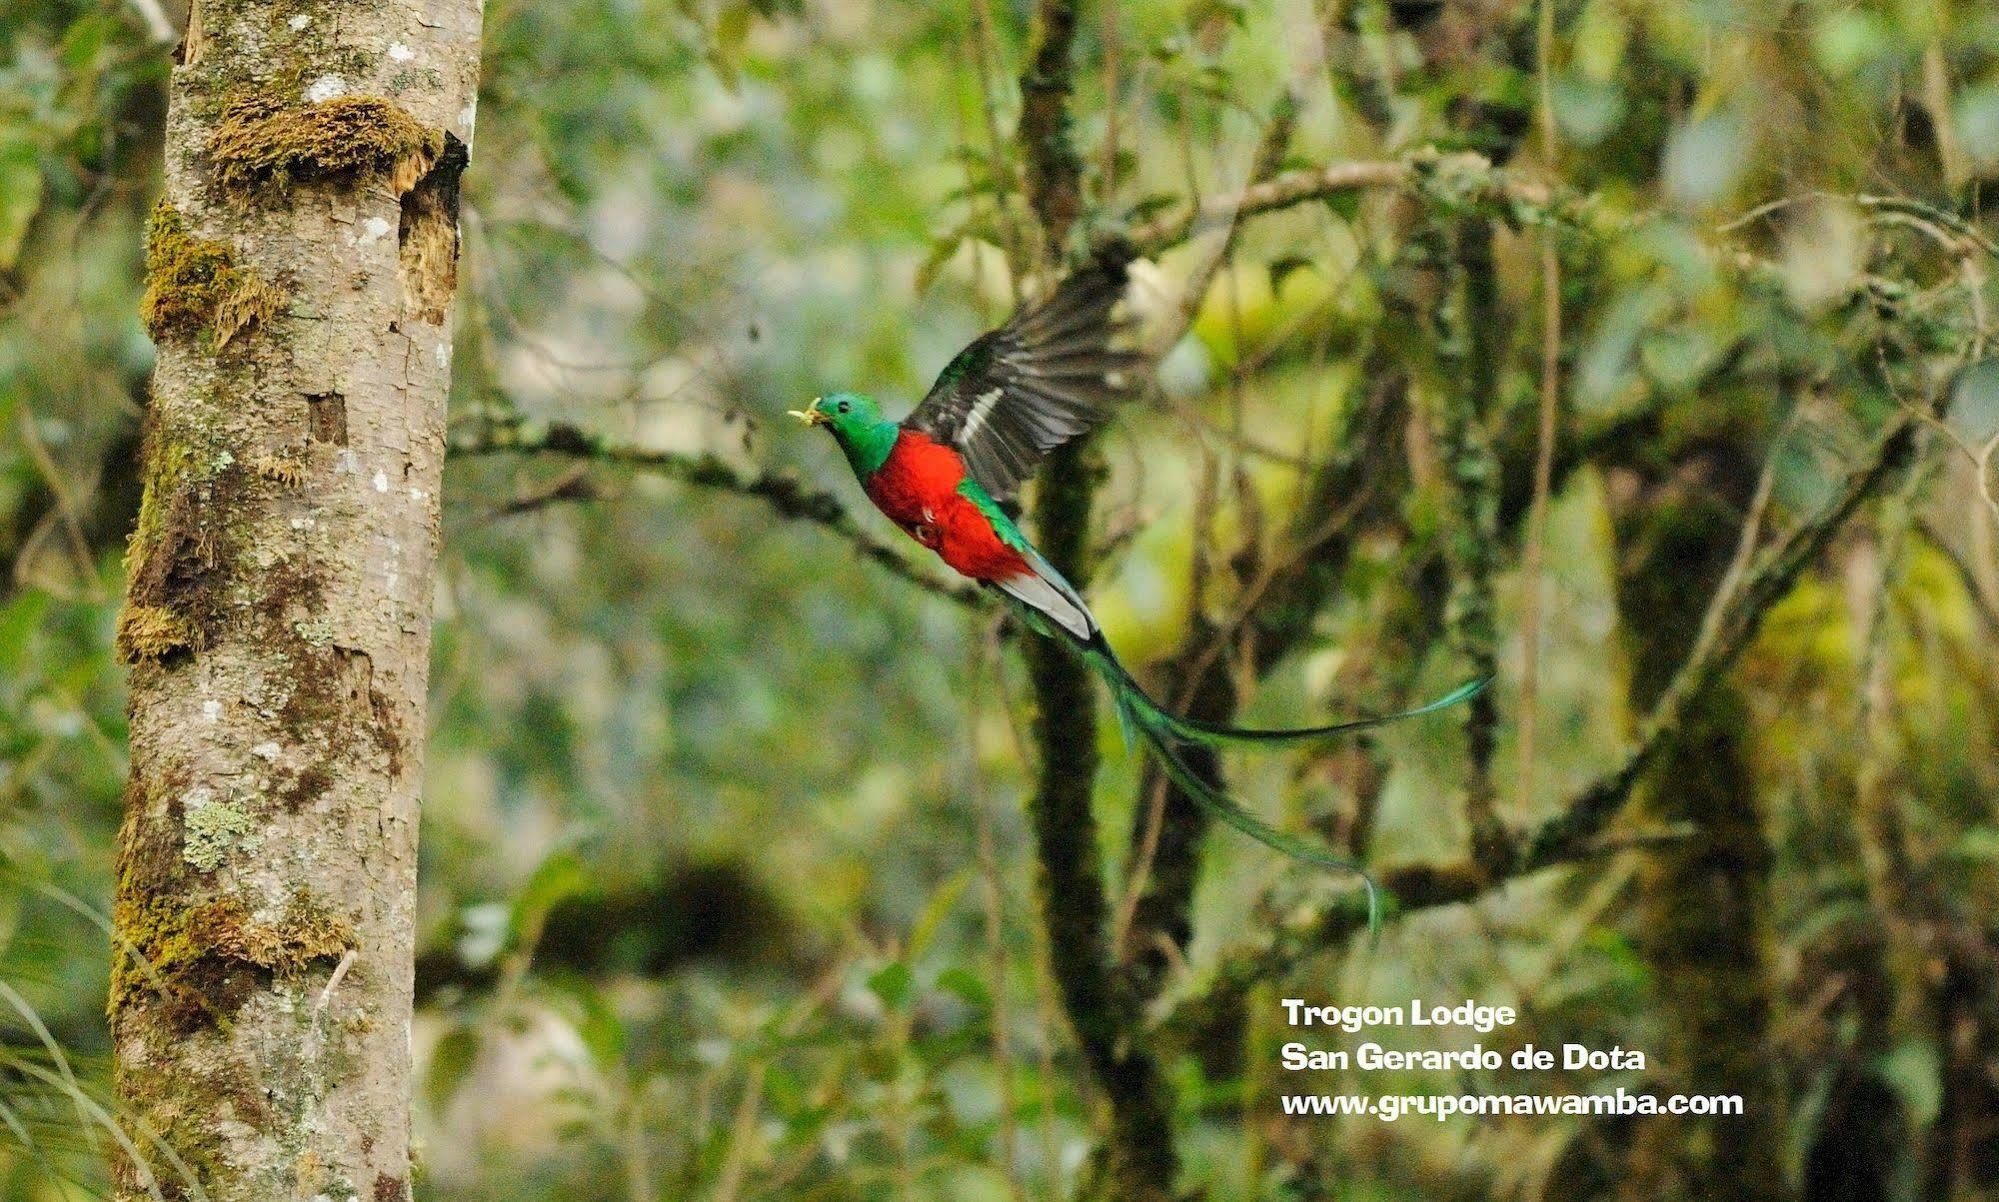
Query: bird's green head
{"points": [[856, 423], [846, 412]]}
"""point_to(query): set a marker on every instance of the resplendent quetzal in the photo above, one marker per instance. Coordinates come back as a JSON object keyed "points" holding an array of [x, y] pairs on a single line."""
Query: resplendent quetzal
{"points": [[941, 474]]}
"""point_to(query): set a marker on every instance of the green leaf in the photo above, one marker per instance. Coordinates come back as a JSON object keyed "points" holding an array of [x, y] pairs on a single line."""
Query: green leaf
{"points": [[560, 876], [1705, 157], [1343, 205], [1847, 40], [1281, 268], [1974, 405], [940, 253], [596, 1022], [732, 34], [20, 197], [964, 984], [934, 912], [1979, 844], [891, 983], [451, 1062], [1914, 1070], [1978, 121], [84, 41], [1589, 110], [1151, 206]]}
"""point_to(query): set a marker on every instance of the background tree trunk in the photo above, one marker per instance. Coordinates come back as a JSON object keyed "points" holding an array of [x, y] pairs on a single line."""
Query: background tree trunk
{"points": [[277, 618], [1703, 917]]}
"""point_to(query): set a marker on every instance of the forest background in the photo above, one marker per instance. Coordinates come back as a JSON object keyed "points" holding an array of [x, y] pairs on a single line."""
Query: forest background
{"points": [[1636, 352]]}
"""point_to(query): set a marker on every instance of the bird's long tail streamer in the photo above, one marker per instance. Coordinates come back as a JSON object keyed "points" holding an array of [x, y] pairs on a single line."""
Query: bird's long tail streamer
{"points": [[1190, 730], [1165, 735], [1224, 809]]}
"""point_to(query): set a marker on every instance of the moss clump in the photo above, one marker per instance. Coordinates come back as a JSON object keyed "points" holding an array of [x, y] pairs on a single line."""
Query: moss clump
{"points": [[264, 143], [175, 560], [306, 934], [193, 284], [286, 466], [308, 786], [206, 960], [153, 633]]}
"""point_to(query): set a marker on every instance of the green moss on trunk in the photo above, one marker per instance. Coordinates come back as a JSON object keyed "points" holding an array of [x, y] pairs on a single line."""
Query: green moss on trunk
{"points": [[177, 560], [263, 143], [202, 962], [1704, 911], [194, 286], [1136, 1160]]}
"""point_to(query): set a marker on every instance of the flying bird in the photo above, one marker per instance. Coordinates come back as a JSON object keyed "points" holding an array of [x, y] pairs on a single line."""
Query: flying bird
{"points": [[944, 473]]}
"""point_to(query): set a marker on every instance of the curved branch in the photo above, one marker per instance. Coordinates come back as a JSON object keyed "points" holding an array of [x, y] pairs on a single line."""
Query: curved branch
{"points": [[782, 491], [1733, 618], [1460, 179]]}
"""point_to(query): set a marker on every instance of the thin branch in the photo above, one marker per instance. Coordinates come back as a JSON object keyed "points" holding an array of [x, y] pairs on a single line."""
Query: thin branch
{"points": [[782, 491], [1459, 178], [1535, 543], [1459, 410], [1967, 576], [1578, 831]]}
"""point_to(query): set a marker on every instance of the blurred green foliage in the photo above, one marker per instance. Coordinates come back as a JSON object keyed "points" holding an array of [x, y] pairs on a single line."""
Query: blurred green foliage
{"points": [[725, 884]]}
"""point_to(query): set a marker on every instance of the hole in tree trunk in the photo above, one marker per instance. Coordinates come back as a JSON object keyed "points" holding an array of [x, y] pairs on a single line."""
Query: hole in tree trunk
{"points": [[326, 418], [428, 238]]}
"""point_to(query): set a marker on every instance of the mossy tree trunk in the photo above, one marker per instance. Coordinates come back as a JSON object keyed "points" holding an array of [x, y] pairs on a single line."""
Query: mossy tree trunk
{"points": [[300, 269], [1703, 915]]}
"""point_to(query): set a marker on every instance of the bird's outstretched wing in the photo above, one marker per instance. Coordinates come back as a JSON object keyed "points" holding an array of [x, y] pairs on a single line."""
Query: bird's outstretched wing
{"points": [[1035, 383]]}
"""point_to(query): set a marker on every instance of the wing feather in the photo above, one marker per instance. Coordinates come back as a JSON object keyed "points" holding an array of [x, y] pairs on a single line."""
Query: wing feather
{"points": [[1043, 378]]}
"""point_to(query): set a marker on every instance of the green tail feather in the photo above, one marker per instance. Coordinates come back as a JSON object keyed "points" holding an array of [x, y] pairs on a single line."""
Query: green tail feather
{"points": [[1165, 734], [1190, 730], [1223, 809]]}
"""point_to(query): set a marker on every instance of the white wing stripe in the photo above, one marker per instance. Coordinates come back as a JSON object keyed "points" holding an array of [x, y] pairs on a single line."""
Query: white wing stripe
{"points": [[981, 412]]}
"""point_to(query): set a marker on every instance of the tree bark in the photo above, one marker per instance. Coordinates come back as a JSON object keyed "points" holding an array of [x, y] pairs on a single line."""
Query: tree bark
{"points": [[300, 269], [1704, 910]]}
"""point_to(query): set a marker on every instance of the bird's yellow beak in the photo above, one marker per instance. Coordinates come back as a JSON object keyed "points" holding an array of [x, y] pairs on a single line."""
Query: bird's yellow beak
{"points": [[809, 416]]}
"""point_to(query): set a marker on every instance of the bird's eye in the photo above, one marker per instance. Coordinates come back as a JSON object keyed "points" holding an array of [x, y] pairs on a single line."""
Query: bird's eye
{"points": [[844, 406]]}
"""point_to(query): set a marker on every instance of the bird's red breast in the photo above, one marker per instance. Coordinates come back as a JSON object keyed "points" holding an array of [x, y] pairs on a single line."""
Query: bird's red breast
{"points": [[917, 487]]}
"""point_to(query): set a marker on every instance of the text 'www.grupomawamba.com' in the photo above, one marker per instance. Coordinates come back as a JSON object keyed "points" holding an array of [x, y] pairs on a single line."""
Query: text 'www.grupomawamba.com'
{"points": [[1390, 1107]]}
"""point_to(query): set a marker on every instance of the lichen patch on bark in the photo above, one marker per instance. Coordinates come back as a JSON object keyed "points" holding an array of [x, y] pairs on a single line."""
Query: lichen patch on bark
{"points": [[264, 143], [213, 826]]}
